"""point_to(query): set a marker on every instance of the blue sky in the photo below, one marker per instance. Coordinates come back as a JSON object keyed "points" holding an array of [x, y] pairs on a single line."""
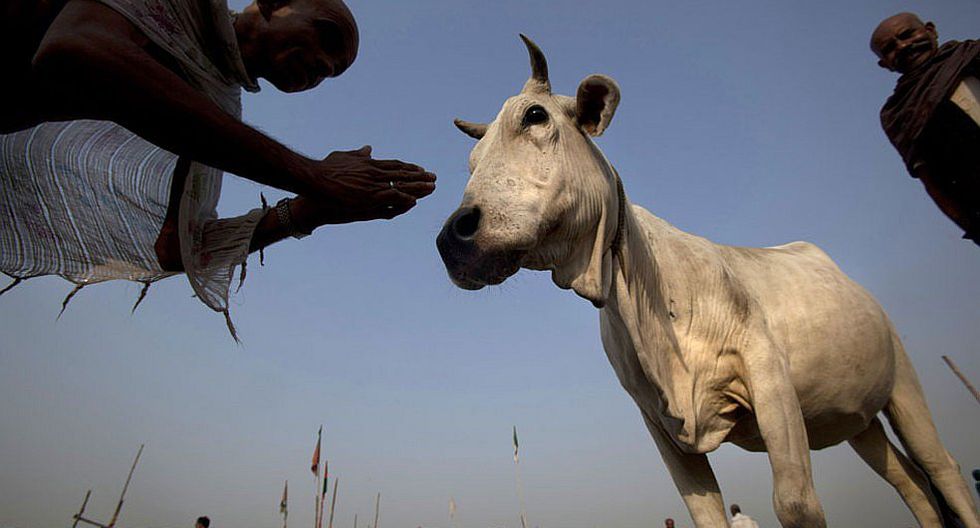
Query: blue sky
{"points": [[748, 123]]}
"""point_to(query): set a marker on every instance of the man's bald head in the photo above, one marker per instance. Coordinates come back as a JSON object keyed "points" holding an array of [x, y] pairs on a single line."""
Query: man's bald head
{"points": [[903, 41], [295, 44]]}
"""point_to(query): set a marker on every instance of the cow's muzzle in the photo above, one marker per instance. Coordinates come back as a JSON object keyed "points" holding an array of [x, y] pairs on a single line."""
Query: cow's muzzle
{"points": [[471, 267]]}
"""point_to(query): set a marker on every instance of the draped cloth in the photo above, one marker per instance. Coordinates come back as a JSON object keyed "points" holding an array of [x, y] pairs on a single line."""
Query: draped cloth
{"points": [[919, 92], [86, 199]]}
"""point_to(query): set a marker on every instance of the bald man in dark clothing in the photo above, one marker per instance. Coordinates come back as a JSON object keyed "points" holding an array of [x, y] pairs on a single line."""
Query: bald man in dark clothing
{"points": [[933, 117]]}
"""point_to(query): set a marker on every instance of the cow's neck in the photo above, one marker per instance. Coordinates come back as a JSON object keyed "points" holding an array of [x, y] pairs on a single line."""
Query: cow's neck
{"points": [[641, 300]]}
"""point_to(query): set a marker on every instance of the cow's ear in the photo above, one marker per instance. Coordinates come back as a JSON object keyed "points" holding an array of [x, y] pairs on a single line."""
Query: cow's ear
{"points": [[595, 103]]}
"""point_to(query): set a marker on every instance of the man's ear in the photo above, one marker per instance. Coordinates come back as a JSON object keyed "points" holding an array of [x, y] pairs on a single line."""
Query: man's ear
{"points": [[595, 103], [267, 7]]}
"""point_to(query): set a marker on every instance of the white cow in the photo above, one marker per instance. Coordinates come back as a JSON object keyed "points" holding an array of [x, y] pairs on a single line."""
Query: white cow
{"points": [[772, 349]]}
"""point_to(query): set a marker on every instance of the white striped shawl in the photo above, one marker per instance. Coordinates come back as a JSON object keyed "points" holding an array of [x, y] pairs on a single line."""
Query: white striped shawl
{"points": [[85, 200]]}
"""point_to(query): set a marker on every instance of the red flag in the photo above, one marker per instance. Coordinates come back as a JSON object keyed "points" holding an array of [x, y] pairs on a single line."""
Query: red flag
{"points": [[315, 466]]}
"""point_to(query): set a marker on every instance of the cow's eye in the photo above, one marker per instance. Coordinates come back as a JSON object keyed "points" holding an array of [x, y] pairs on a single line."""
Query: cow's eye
{"points": [[535, 116]]}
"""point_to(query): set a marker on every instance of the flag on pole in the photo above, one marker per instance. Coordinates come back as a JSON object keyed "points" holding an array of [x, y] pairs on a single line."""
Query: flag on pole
{"points": [[315, 466], [323, 494], [515, 444], [285, 495]]}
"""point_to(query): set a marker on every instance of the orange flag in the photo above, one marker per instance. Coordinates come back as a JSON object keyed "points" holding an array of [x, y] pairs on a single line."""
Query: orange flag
{"points": [[315, 466]]}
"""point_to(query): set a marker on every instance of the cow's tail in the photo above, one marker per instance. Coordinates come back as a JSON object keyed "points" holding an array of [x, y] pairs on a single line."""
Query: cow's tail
{"points": [[911, 420]]}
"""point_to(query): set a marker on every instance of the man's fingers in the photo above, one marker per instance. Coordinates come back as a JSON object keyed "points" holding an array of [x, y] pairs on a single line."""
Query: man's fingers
{"points": [[396, 165], [402, 176], [417, 189]]}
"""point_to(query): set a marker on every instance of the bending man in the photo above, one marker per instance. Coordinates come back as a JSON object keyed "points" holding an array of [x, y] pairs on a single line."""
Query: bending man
{"points": [[133, 194]]}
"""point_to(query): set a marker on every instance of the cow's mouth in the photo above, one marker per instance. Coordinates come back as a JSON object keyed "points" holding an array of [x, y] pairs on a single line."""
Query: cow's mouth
{"points": [[473, 271]]}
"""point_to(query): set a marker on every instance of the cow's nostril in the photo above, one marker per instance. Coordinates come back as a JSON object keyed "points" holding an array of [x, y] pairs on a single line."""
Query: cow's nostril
{"points": [[467, 222]]}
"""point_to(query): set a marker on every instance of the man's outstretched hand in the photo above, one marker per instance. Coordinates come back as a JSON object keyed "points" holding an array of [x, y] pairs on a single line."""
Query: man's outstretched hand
{"points": [[354, 187]]}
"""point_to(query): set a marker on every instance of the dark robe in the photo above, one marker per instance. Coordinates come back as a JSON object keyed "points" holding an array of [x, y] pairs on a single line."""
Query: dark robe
{"points": [[929, 130]]}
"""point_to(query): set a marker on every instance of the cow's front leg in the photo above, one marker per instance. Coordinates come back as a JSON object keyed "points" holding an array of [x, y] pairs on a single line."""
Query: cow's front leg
{"points": [[780, 419], [694, 479]]}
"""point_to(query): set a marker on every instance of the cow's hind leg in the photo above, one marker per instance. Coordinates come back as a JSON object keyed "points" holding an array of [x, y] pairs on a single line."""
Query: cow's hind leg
{"points": [[875, 449], [910, 418]]}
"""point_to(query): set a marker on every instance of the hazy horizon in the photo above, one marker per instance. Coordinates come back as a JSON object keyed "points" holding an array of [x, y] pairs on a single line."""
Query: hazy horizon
{"points": [[751, 125]]}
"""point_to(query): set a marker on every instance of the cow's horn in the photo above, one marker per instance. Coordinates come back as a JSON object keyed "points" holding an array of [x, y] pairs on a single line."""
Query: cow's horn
{"points": [[539, 69], [474, 130]]}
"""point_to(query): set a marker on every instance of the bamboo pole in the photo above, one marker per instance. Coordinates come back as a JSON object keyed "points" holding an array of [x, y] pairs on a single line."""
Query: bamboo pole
{"points": [[115, 515], [323, 497], [355, 520], [517, 479], [82, 510], [959, 374], [315, 467], [90, 521], [316, 500], [377, 509]]}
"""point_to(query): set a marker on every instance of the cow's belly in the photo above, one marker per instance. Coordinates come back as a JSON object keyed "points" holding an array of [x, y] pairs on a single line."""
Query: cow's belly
{"points": [[842, 381], [830, 428]]}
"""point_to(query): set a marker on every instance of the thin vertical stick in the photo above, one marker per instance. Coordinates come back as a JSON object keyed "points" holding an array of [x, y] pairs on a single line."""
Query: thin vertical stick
{"points": [[956, 370], [315, 468], [316, 502], [115, 515], [377, 509], [323, 496], [284, 503], [333, 502], [82, 510], [520, 493], [517, 478], [355, 520]]}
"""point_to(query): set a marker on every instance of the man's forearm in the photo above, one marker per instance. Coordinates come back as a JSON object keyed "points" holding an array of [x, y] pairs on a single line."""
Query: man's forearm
{"points": [[91, 66]]}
